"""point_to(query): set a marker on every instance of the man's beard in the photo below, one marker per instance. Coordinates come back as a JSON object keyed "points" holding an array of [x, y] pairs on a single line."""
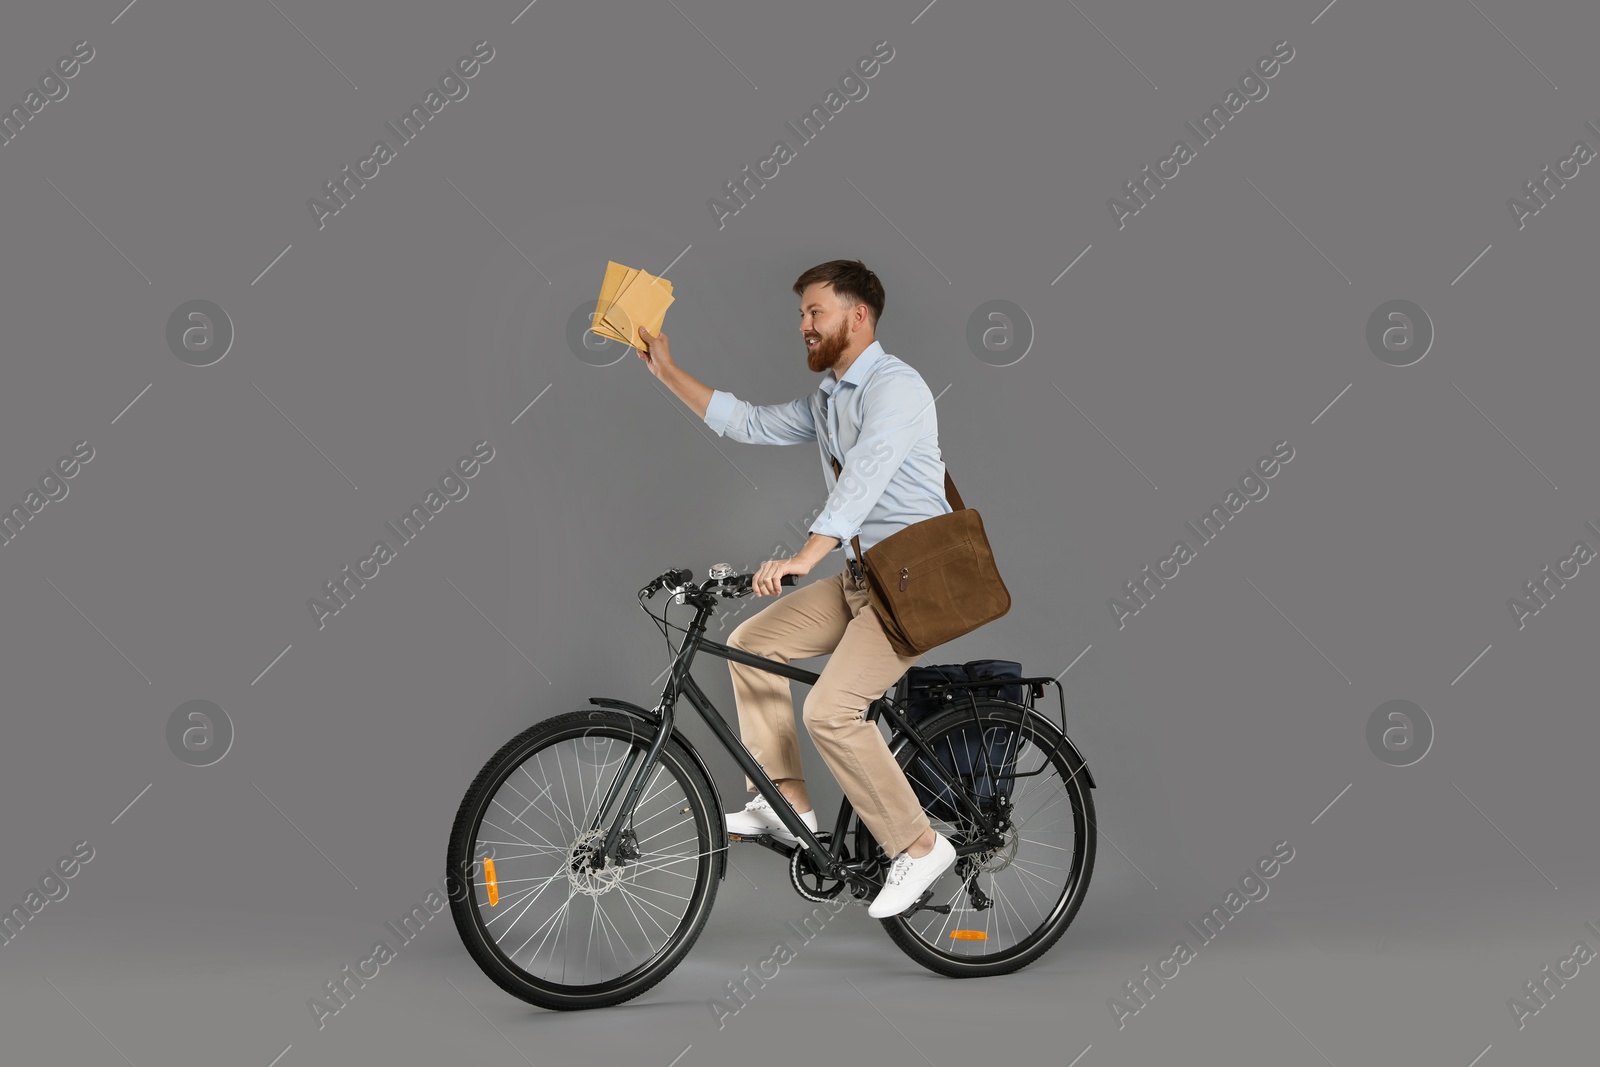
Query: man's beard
{"points": [[828, 350]]}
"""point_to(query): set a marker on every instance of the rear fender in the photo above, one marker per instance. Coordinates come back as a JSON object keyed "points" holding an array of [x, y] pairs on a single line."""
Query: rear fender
{"points": [[900, 741]]}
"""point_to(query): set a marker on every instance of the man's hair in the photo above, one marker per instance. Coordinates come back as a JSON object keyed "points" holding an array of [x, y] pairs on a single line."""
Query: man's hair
{"points": [[851, 280]]}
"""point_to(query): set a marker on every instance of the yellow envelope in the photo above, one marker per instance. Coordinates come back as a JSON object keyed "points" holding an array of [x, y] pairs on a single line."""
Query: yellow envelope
{"points": [[642, 302], [618, 329], [608, 288], [615, 274], [647, 304]]}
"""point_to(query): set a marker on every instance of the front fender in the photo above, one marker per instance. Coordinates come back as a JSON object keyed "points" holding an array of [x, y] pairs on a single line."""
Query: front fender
{"points": [[677, 735]]}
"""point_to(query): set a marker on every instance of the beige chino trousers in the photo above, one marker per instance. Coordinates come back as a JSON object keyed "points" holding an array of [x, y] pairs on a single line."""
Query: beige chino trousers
{"points": [[831, 615]]}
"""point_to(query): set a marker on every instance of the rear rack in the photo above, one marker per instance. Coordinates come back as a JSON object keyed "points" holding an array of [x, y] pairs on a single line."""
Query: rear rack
{"points": [[1034, 691]]}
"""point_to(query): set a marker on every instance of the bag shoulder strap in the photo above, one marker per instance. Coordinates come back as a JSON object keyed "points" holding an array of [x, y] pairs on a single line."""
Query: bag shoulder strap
{"points": [[951, 496]]}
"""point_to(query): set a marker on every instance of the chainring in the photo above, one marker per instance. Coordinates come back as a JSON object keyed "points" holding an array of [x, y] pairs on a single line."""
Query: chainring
{"points": [[810, 882]]}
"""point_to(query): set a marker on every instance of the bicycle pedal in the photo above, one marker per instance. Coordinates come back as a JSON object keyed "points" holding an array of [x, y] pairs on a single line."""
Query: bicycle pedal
{"points": [[783, 848], [923, 905]]}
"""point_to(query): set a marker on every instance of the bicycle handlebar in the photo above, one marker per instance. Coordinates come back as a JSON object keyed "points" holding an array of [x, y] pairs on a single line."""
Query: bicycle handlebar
{"points": [[729, 585]]}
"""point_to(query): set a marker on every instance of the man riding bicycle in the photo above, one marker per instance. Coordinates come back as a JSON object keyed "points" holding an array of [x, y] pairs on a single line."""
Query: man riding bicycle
{"points": [[875, 415]]}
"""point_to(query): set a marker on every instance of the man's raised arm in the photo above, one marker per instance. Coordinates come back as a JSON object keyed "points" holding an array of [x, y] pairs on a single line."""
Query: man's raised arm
{"points": [[726, 414], [657, 356]]}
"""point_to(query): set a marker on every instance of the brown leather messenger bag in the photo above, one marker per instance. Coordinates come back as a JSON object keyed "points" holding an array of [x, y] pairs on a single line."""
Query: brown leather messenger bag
{"points": [[933, 580]]}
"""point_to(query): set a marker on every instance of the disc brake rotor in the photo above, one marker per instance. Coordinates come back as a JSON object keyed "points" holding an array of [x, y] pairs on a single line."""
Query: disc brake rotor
{"points": [[998, 859], [580, 866]]}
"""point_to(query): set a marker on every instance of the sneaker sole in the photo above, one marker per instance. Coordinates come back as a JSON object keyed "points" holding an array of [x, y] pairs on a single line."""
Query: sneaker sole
{"points": [[920, 895]]}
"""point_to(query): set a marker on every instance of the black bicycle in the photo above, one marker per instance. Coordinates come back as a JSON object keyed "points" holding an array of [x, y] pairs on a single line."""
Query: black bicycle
{"points": [[596, 838]]}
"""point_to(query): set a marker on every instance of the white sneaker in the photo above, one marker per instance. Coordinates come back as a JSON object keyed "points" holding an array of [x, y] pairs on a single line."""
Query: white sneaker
{"points": [[910, 877], [758, 818]]}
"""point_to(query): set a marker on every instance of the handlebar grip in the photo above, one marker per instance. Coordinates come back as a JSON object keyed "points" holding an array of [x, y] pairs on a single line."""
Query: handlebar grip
{"points": [[742, 581]]}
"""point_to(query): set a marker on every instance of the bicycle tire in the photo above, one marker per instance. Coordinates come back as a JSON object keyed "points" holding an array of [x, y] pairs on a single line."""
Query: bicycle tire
{"points": [[1061, 756], [468, 908]]}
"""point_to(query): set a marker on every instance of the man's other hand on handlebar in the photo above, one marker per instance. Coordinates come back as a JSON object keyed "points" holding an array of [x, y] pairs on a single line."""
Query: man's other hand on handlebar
{"points": [[768, 575], [765, 582]]}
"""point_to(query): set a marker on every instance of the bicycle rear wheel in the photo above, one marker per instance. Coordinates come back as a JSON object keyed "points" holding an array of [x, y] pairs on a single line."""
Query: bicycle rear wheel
{"points": [[543, 922], [1029, 889]]}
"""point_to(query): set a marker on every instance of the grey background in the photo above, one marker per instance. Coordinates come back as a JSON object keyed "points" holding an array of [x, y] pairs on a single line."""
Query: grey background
{"points": [[408, 328]]}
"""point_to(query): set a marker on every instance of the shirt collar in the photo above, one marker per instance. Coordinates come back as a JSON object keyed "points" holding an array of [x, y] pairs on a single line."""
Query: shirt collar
{"points": [[858, 370]]}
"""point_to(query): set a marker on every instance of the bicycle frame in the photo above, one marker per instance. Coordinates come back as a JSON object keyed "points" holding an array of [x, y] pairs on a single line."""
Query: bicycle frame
{"points": [[680, 681]]}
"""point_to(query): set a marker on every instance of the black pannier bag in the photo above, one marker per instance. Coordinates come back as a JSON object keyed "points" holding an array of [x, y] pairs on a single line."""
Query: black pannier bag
{"points": [[962, 753]]}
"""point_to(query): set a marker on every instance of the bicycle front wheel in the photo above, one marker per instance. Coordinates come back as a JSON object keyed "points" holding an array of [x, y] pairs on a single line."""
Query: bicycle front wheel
{"points": [[1006, 906], [538, 916]]}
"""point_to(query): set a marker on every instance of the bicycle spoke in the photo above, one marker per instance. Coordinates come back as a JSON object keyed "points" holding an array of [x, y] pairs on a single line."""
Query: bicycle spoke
{"points": [[658, 792], [655, 889], [607, 925], [588, 945], [988, 917], [531, 803], [554, 921], [665, 851], [1022, 882], [514, 881], [1025, 819], [508, 833], [518, 816], [631, 898], [655, 835], [531, 894], [1002, 902], [566, 794], [539, 850], [535, 894], [1046, 844], [648, 903], [508, 857], [595, 796], [627, 898], [661, 868], [949, 916], [1024, 871], [564, 811]]}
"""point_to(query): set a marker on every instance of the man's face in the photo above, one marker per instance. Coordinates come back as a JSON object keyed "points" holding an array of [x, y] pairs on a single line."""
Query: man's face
{"points": [[824, 326]]}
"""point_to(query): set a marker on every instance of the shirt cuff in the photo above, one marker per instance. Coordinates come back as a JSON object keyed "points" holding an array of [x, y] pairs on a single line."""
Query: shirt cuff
{"points": [[843, 535], [720, 410]]}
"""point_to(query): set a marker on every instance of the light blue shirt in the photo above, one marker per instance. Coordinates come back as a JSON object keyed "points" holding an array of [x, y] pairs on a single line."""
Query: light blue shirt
{"points": [[879, 421]]}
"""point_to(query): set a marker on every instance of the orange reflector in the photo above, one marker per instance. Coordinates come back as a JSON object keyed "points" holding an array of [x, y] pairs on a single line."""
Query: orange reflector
{"points": [[969, 935], [488, 873]]}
